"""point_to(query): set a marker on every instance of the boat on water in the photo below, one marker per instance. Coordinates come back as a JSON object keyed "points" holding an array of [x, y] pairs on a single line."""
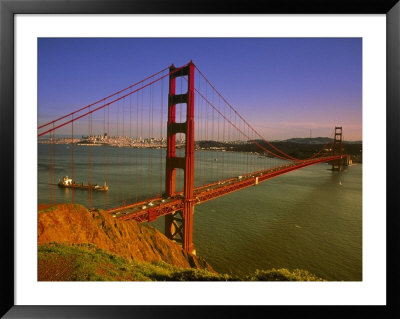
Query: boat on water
{"points": [[67, 182]]}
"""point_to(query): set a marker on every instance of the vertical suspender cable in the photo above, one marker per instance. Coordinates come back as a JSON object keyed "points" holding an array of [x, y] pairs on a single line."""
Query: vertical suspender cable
{"points": [[208, 142], [130, 141], [148, 149], [104, 155], [224, 143], [118, 175], [161, 132], [123, 154], [142, 138], [218, 151], [211, 144], [137, 146], [152, 135], [54, 168], [108, 155], [50, 168], [72, 159], [203, 138], [90, 160]]}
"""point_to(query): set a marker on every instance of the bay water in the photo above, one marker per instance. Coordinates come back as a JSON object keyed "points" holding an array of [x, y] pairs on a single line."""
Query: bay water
{"points": [[308, 219]]}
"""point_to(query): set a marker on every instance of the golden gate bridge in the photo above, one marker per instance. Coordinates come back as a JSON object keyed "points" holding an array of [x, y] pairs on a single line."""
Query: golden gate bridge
{"points": [[183, 120]]}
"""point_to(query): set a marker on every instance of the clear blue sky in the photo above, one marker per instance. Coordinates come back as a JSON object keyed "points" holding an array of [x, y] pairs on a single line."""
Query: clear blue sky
{"points": [[283, 87]]}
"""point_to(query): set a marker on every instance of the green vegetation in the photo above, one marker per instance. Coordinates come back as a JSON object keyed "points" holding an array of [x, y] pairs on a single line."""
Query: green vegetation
{"points": [[85, 262], [283, 275]]}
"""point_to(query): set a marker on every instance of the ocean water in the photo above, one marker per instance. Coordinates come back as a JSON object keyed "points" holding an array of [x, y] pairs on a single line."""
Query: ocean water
{"points": [[308, 219]]}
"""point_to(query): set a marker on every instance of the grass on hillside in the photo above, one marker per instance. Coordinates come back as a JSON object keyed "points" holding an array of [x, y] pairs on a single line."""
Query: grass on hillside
{"points": [[85, 262]]}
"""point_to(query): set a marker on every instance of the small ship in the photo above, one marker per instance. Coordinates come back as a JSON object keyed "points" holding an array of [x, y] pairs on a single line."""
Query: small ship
{"points": [[69, 183]]}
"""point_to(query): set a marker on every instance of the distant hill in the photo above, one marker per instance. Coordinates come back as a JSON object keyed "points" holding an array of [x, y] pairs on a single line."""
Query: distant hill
{"points": [[316, 140]]}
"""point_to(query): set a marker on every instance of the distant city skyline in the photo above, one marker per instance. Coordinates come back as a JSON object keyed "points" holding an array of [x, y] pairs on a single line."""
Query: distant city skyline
{"points": [[282, 86]]}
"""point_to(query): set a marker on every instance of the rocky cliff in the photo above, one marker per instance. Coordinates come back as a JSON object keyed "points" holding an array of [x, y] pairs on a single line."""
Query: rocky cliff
{"points": [[72, 224]]}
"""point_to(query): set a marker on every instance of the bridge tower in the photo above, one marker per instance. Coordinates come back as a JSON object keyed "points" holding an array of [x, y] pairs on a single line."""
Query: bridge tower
{"points": [[179, 225], [337, 148]]}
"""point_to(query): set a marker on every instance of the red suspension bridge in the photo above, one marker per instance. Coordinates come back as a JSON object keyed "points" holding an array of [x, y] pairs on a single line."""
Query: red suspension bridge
{"points": [[191, 146]]}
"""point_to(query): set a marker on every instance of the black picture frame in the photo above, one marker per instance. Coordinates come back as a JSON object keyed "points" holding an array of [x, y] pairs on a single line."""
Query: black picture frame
{"points": [[8, 8]]}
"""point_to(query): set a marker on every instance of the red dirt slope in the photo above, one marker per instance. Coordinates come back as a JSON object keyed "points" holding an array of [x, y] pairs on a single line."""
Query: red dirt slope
{"points": [[74, 224]]}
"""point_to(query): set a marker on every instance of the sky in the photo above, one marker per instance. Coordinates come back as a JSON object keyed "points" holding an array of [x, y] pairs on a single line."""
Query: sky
{"points": [[284, 87]]}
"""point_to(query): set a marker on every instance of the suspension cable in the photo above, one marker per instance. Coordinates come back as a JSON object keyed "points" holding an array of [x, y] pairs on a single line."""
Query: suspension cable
{"points": [[258, 134]]}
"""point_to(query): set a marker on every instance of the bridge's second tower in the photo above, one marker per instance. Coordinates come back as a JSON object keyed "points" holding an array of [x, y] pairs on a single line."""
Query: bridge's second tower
{"points": [[337, 148], [179, 225]]}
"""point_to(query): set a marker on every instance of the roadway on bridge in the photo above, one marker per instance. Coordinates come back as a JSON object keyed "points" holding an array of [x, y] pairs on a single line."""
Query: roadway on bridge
{"points": [[149, 210]]}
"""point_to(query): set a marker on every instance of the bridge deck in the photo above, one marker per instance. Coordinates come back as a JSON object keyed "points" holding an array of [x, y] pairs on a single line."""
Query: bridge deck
{"points": [[151, 209]]}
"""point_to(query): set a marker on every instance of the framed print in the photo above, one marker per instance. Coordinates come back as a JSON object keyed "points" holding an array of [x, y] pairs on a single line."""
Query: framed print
{"points": [[120, 120]]}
